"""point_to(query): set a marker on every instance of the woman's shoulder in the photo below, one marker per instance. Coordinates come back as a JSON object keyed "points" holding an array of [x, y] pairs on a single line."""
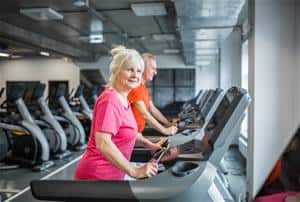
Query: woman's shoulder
{"points": [[107, 96]]}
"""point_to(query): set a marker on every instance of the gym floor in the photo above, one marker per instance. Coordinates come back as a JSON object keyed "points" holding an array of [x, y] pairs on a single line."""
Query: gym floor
{"points": [[14, 183]]}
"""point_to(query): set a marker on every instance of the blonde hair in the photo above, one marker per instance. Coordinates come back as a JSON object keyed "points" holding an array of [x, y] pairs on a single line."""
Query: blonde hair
{"points": [[147, 57], [121, 58]]}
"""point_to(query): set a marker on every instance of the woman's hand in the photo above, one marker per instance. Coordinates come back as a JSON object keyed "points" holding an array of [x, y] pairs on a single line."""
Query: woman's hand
{"points": [[293, 198], [148, 170], [158, 145]]}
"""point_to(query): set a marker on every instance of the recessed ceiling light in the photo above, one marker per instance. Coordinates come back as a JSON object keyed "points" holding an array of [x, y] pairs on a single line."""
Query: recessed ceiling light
{"points": [[203, 63], [206, 44], [164, 37], [41, 13], [45, 53], [171, 51], [81, 3], [4, 55], [149, 9], [93, 38], [207, 51], [96, 38], [205, 57]]}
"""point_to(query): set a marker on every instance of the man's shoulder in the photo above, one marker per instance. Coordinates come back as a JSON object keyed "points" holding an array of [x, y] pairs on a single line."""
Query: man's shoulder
{"points": [[137, 94], [137, 90]]}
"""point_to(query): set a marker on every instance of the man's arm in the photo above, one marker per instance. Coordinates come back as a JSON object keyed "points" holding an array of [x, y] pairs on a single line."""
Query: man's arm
{"points": [[141, 107], [158, 115]]}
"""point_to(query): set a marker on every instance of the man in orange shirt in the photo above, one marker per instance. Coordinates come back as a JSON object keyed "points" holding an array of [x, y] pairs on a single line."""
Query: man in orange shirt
{"points": [[142, 106]]}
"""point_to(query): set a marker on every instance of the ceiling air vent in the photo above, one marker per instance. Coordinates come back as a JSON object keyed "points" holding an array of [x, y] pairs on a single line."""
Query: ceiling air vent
{"points": [[41, 13]]}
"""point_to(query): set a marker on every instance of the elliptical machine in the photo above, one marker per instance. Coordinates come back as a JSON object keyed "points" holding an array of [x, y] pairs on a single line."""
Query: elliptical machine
{"points": [[76, 136], [52, 129], [93, 95], [4, 144], [84, 107], [81, 109], [28, 145]]}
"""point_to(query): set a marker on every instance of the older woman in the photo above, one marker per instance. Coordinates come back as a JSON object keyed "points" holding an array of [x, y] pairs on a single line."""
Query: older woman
{"points": [[113, 129]]}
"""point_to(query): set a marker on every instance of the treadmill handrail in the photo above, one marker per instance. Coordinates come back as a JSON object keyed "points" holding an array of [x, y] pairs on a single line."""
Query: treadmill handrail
{"points": [[56, 190], [93, 190]]}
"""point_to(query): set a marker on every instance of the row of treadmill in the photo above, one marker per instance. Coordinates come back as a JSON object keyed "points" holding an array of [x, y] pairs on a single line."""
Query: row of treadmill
{"points": [[207, 125], [35, 130]]}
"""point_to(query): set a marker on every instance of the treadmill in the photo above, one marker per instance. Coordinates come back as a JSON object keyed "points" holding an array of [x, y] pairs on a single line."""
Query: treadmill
{"points": [[189, 126], [190, 114], [192, 101], [199, 121], [183, 178], [84, 107]]}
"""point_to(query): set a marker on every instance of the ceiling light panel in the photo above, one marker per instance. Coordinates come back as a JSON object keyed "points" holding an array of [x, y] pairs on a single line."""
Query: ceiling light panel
{"points": [[4, 55], [81, 3], [45, 53], [149, 9], [164, 37], [202, 63], [205, 57], [207, 51], [93, 38], [171, 51], [206, 44], [41, 14], [96, 38], [206, 34]]}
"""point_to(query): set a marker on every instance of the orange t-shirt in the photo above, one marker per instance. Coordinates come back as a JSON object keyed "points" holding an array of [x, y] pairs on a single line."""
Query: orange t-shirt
{"points": [[139, 94], [275, 173]]}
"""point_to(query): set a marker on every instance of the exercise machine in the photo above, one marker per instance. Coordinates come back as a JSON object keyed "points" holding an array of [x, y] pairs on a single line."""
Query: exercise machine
{"points": [[74, 130], [28, 145], [191, 174]]}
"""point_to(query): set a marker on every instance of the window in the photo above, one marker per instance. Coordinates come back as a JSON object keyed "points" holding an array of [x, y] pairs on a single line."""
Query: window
{"points": [[244, 127], [172, 85]]}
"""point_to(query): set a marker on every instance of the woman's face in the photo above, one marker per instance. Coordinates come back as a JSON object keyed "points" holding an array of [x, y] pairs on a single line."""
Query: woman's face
{"points": [[129, 77]]}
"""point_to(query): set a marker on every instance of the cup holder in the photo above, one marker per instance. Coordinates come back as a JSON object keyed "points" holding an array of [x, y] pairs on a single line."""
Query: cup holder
{"points": [[181, 169]]}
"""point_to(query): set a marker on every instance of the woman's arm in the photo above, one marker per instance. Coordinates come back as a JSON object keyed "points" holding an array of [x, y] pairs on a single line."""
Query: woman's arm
{"points": [[147, 143], [110, 151]]}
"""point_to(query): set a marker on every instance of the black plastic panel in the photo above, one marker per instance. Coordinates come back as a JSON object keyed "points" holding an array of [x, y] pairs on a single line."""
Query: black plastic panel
{"points": [[70, 190]]}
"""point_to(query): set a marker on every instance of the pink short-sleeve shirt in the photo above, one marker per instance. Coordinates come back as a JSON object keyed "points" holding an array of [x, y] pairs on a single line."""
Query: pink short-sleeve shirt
{"points": [[111, 117]]}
